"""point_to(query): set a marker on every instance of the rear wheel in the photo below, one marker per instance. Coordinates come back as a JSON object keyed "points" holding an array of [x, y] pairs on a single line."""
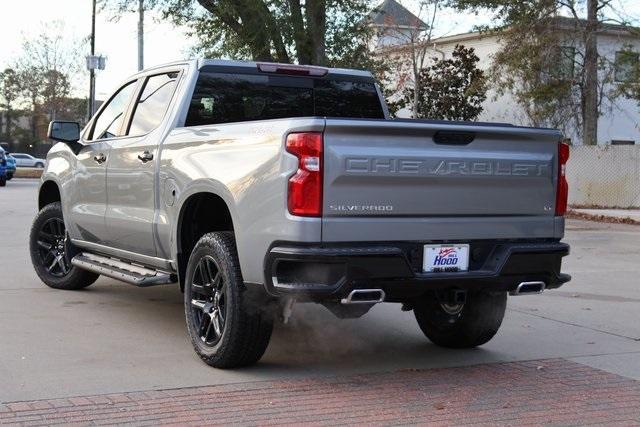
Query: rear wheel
{"points": [[3, 181], [227, 329], [52, 251], [461, 325]]}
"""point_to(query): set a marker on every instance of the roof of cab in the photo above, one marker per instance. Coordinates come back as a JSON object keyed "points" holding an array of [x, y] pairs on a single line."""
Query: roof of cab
{"points": [[253, 65]]}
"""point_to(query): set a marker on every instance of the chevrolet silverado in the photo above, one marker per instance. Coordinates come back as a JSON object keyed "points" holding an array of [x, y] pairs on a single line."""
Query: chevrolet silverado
{"points": [[257, 185]]}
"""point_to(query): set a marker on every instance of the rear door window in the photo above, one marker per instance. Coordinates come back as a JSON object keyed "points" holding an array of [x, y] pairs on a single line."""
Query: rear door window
{"points": [[153, 103]]}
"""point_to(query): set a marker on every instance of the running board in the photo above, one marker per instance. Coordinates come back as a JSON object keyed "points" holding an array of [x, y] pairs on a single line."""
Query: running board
{"points": [[127, 272]]}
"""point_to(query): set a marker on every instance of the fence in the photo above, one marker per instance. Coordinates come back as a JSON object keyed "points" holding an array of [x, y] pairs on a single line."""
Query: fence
{"points": [[607, 176]]}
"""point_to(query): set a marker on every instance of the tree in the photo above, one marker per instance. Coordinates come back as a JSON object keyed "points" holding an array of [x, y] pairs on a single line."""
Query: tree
{"points": [[320, 32], [590, 111], [9, 92], [414, 41], [53, 61], [451, 89], [535, 32], [42, 78], [30, 81]]}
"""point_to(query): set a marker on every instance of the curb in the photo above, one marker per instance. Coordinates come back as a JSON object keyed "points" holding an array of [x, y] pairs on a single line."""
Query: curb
{"points": [[601, 218]]}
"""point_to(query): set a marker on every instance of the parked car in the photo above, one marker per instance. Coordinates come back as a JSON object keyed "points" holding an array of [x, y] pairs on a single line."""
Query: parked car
{"points": [[3, 168], [28, 161], [256, 185], [11, 165]]}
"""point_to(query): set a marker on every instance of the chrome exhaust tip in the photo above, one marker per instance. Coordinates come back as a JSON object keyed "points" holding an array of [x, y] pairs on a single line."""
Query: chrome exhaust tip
{"points": [[364, 296], [528, 288]]}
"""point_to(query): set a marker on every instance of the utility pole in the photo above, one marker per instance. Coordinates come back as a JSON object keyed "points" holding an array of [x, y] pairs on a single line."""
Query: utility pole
{"points": [[590, 112], [92, 71], [140, 35]]}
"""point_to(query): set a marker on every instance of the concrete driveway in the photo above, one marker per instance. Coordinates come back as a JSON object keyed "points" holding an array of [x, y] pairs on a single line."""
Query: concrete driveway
{"points": [[113, 338]]}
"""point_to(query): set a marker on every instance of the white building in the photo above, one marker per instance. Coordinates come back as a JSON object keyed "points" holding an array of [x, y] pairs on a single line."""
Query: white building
{"points": [[620, 119]]}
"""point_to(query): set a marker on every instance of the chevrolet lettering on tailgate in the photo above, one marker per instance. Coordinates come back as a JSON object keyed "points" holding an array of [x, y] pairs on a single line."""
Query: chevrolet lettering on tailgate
{"points": [[444, 167]]}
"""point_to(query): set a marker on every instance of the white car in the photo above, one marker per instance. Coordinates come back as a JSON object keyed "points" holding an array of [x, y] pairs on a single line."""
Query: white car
{"points": [[28, 161]]}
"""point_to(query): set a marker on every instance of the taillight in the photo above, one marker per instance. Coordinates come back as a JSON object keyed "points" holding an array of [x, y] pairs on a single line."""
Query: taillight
{"points": [[305, 186], [562, 193]]}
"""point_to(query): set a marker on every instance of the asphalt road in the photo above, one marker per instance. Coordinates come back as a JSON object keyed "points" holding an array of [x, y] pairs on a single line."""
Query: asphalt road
{"points": [[113, 337]]}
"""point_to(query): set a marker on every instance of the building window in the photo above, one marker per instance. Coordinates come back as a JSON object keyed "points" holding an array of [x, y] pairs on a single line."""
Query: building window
{"points": [[560, 63], [626, 66], [566, 64]]}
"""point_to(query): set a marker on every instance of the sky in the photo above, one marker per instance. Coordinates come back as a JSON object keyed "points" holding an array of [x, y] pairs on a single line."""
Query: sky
{"points": [[117, 40]]}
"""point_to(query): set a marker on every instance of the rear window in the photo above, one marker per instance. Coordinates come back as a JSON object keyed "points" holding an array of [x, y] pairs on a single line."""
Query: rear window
{"points": [[226, 98]]}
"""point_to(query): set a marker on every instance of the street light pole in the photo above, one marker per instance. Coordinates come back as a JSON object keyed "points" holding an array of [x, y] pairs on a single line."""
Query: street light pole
{"points": [[92, 72], [140, 35]]}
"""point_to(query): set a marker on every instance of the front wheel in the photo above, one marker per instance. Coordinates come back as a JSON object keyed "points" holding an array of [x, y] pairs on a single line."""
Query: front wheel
{"points": [[52, 251], [461, 325], [3, 181], [227, 328], [39, 165]]}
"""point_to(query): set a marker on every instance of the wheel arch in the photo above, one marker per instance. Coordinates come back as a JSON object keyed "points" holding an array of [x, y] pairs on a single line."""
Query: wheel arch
{"points": [[49, 193], [200, 213]]}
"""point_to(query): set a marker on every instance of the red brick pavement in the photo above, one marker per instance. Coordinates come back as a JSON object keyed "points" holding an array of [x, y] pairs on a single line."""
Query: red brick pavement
{"points": [[552, 392]]}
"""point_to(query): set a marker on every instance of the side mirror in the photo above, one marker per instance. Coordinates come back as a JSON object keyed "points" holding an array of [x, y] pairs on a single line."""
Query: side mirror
{"points": [[64, 131]]}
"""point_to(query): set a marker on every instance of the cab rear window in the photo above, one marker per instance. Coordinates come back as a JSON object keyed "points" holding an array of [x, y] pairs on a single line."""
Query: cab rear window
{"points": [[225, 98]]}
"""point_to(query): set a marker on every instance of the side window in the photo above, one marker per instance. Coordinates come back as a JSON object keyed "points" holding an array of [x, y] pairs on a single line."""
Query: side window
{"points": [[109, 122], [153, 103]]}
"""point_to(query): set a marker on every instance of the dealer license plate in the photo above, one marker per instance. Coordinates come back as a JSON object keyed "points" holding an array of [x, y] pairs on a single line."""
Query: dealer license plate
{"points": [[445, 258]]}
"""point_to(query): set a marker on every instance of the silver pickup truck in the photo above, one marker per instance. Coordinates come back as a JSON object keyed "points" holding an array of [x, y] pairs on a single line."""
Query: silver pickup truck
{"points": [[256, 185]]}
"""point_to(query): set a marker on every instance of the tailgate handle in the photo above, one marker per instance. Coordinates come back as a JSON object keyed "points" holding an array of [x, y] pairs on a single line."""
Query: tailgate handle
{"points": [[453, 138]]}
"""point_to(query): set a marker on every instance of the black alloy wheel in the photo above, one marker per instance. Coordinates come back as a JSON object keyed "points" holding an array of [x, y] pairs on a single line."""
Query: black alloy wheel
{"points": [[51, 251], [52, 247], [229, 324], [208, 300]]}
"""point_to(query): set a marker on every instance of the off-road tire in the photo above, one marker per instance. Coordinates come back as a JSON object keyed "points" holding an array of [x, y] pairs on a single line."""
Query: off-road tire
{"points": [[247, 327], [9, 176], [75, 278], [473, 325], [3, 181]]}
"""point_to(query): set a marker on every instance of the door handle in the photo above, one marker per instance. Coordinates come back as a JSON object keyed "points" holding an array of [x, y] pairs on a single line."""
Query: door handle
{"points": [[145, 156], [100, 158]]}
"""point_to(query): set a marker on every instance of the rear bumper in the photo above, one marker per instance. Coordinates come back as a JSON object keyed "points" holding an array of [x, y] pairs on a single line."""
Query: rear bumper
{"points": [[324, 272]]}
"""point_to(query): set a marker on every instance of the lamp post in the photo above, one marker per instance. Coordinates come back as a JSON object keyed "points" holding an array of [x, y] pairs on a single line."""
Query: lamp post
{"points": [[94, 62], [140, 35], [92, 74]]}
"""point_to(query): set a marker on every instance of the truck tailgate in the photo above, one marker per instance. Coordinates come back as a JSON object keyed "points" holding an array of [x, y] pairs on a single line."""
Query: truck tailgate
{"points": [[412, 180]]}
